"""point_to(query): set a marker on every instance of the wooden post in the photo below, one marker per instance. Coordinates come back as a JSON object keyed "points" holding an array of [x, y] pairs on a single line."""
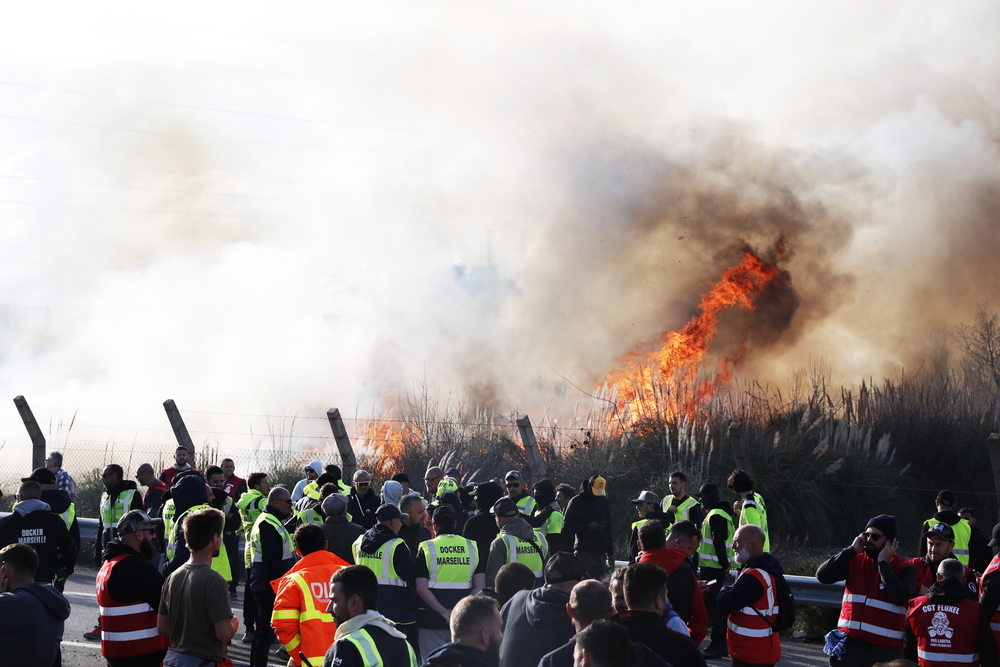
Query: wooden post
{"points": [[37, 438], [536, 464], [994, 446], [180, 430], [348, 462], [735, 433]]}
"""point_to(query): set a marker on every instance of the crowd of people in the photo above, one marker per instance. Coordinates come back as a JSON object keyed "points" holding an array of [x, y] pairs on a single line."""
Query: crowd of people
{"points": [[503, 573]]}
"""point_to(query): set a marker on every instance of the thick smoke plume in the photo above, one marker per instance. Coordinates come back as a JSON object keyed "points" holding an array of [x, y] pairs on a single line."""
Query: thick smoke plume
{"points": [[276, 214]]}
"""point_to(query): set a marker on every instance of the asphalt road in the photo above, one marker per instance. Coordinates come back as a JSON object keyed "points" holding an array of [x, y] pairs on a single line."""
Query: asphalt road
{"points": [[79, 652]]}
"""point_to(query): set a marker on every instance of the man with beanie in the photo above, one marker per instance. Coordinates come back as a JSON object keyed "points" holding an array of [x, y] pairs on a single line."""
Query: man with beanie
{"points": [[947, 626], [482, 527], [547, 516], [404, 481], [536, 622], [339, 531], [587, 525], [878, 583]]}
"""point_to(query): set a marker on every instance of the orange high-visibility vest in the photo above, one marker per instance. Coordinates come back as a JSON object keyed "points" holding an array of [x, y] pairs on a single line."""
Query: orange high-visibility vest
{"points": [[750, 637]]}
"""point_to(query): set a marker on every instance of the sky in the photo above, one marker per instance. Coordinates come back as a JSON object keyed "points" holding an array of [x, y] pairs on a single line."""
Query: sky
{"points": [[266, 211]]}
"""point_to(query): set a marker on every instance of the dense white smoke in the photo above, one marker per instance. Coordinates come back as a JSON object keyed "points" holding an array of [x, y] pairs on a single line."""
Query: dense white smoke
{"points": [[276, 213]]}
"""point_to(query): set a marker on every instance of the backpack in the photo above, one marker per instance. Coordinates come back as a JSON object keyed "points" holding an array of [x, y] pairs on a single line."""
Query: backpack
{"points": [[786, 606]]}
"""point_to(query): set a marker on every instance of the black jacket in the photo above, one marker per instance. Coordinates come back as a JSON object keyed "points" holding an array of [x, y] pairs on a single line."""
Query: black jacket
{"points": [[535, 623], [745, 591], [362, 508], [341, 535], [898, 588], [188, 492], [394, 602], [31, 625], [647, 628], [583, 509], [59, 502], [950, 592], [33, 523], [640, 655], [272, 564], [458, 655]]}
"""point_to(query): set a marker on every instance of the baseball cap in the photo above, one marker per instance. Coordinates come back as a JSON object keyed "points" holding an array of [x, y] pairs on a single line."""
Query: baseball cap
{"points": [[513, 474], [442, 513], [453, 472], [942, 530], [390, 512], [133, 522], [996, 536], [334, 504], [600, 486], [41, 475], [563, 567], [505, 507], [707, 490], [647, 497]]}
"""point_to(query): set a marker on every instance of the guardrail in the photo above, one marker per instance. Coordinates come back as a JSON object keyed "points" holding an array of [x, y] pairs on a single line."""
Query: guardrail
{"points": [[807, 591]]}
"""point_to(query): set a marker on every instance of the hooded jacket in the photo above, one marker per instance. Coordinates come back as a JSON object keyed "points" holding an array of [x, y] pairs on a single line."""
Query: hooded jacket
{"points": [[32, 522], [59, 501], [341, 535], [682, 584], [583, 509], [31, 624], [535, 623], [395, 602], [300, 486], [498, 548], [454, 654], [186, 493], [390, 643]]}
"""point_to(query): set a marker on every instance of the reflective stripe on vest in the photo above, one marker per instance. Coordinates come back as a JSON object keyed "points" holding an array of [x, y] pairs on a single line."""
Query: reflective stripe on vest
{"points": [[168, 512], [370, 655], [380, 561], [769, 609], [947, 657], [220, 563], [126, 629], [526, 505], [706, 550], [683, 509], [529, 558], [450, 575], [256, 551], [872, 602], [112, 512]]}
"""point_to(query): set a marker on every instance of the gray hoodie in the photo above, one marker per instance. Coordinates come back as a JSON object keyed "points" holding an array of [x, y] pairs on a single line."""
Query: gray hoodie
{"points": [[498, 548]]}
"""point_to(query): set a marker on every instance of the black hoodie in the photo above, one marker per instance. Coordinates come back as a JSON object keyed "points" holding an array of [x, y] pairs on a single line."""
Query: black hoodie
{"points": [[32, 522], [59, 501], [951, 592], [534, 623], [394, 602], [482, 528], [583, 509]]}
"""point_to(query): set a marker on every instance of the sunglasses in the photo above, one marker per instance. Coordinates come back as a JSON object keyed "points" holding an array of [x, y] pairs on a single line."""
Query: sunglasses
{"points": [[873, 536], [512, 485], [363, 484]]}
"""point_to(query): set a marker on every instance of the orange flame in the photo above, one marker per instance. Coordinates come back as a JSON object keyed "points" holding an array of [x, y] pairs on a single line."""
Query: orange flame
{"points": [[665, 383], [388, 438]]}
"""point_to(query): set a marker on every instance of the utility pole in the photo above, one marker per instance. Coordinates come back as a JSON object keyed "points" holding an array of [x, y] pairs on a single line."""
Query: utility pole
{"points": [[37, 438], [180, 430], [348, 462], [536, 464]]}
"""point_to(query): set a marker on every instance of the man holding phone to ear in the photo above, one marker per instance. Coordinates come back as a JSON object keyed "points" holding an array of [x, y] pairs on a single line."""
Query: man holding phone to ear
{"points": [[878, 583]]}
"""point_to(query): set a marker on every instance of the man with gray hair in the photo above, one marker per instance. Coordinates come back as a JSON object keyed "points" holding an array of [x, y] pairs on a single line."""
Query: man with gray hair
{"points": [[63, 480], [947, 626], [363, 501]]}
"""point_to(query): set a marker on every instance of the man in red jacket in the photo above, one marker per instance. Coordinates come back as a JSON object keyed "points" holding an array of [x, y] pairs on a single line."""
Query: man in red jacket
{"points": [[685, 594]]}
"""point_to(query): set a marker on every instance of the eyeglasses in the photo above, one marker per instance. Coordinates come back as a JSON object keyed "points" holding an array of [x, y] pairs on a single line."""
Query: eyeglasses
{"points": [[362, 483], [431, 479], [873, 536]]}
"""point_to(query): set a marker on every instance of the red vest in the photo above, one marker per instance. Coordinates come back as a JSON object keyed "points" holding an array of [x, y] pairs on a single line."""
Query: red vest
{"points": [[749, 637], [995, 620], [927, 575], [159, 486], [126, 629], [946, 634], [232, 485], [866, 612]]}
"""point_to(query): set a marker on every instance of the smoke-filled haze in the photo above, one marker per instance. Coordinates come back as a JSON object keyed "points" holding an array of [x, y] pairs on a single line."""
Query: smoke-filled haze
{"points": [[275, 210]]}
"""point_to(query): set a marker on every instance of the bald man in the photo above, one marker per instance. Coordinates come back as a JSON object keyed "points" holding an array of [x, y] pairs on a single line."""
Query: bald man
{"points": [[749, 638], [272, 555]]}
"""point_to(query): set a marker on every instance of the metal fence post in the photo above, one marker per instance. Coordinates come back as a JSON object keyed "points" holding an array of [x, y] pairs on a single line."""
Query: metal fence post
{"points": [[348, 462], [180, 430], [37, 438], [536, 464]]}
